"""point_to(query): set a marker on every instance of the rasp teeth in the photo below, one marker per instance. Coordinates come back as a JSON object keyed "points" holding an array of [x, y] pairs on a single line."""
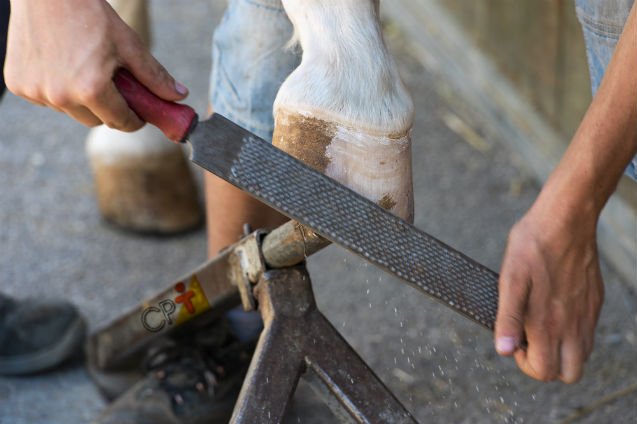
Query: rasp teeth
{"points": [[346, 218]]}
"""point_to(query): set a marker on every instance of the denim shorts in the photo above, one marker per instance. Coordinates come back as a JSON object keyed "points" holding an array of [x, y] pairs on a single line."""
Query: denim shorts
{"points": [[602, 23], [250, 60]]}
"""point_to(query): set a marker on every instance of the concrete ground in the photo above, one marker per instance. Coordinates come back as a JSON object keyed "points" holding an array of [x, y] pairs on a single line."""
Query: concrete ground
{"points": [[468, 193]]}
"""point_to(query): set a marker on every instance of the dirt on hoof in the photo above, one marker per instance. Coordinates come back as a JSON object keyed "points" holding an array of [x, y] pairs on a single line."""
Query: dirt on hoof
{"points": [[304, 137]]}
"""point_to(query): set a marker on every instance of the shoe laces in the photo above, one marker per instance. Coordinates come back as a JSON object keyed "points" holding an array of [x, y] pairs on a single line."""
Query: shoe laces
{"points": [[195, 364], [183, 368]]}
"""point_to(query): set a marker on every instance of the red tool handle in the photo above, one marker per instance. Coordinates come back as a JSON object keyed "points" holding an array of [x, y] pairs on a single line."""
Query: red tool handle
{"points": [[175, 120]]}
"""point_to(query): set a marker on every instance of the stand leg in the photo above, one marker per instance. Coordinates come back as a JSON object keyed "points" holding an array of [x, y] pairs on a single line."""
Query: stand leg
{"points": [[270, 382], [298, 337]]}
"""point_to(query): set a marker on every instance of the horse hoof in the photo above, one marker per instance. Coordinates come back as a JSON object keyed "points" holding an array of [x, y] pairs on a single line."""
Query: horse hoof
{"points": [[143, 182]]}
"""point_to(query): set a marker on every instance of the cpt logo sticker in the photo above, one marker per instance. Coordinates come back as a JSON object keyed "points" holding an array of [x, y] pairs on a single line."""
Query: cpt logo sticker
{"points": [[189, 302]]}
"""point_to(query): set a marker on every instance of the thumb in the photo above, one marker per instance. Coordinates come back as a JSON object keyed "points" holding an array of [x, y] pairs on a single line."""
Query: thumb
{"points": [[512, 301], [138, 59]]}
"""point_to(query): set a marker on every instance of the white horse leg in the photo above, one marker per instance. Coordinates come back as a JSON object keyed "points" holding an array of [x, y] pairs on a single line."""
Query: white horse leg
{"points": [[345, 110]]}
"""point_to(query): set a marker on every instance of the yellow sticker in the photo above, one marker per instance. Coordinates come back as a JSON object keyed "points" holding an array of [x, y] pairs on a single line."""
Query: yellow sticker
{"points": [[191, 302]]}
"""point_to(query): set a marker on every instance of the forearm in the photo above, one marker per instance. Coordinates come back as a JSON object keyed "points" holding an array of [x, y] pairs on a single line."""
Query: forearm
{"points": [[606, 140], [551, 288]]}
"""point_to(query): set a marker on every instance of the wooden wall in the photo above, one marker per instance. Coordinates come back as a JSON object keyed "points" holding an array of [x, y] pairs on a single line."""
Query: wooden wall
{"points": [[538, 45]]}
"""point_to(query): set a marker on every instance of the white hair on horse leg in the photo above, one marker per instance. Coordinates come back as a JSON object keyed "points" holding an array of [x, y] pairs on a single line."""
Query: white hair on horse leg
{"points": [[345, 110], [346, 68]]}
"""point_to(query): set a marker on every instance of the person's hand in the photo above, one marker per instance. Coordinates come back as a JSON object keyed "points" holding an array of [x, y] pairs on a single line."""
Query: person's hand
{"points": [[551, 287], [551, 290], [64, 53]]}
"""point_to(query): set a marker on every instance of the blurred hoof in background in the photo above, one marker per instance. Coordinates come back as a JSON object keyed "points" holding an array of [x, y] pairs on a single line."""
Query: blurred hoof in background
{"points": [[143, 182]]}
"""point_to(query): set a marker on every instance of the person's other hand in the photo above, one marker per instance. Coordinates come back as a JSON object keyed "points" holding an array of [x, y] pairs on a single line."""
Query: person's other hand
{"points": [[64, 53], [551, 290]]}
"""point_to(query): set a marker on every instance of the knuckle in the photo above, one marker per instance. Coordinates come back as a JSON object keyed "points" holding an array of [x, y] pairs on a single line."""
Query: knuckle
{"points": [[515, 283], [547, 375], [91, 89], [513, 318], [513, 299], [58, 97], [88, 94], [21, 88], [129, 41], [22, 91], [30, 92], [553, 323], [544, 369]]}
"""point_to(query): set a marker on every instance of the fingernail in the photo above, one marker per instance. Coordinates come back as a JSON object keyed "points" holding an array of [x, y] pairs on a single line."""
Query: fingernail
{"points": [[181, 89], [506, 344]]}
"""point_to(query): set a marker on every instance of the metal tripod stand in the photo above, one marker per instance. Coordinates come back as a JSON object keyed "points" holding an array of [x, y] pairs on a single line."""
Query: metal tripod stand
{"points": [[267, 271], [297, 338]]}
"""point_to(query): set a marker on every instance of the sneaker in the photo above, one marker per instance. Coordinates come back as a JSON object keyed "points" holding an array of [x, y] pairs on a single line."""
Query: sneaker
{"points": [[189, 378], [36, 335]]}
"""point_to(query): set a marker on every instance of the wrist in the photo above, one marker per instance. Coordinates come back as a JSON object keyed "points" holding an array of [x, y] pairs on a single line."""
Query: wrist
{"points": [[567, 204]]}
